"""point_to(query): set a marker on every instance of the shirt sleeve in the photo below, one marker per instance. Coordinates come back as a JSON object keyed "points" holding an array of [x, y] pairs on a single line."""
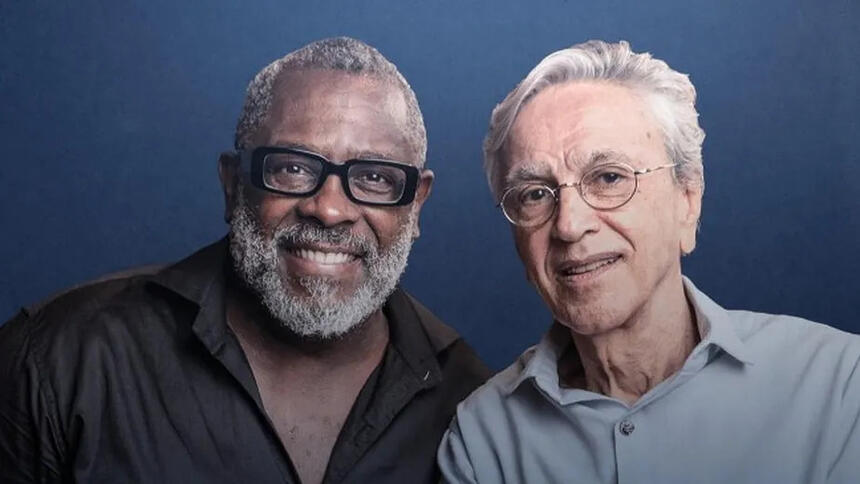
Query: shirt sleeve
{"points": [[27, 437], [846, 466], [454, 461]]}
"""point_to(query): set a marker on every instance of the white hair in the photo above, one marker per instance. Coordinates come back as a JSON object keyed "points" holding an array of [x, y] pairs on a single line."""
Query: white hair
{"points": [[669, 93], [338, 54]]}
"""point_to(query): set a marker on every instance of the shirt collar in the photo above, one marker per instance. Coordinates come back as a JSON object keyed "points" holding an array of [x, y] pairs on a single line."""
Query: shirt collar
{"points": [[716, 326], [201, 279], [417, 335], [716, 329], [540, 362]]}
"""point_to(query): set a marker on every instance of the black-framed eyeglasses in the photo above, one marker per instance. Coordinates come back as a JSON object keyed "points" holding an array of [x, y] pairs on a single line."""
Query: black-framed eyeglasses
{"points": [[605, 187], [296, 172]]}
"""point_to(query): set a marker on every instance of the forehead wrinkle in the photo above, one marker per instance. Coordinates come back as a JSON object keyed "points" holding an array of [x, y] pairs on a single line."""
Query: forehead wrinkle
{"points": [[574, 160]]}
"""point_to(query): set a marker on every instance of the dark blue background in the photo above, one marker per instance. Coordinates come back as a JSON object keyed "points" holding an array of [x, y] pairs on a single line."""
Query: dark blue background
{"points": [[113, 114]]}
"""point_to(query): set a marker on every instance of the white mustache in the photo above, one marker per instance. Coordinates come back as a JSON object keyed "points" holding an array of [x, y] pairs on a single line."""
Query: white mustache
{"points": [[310, 234]]}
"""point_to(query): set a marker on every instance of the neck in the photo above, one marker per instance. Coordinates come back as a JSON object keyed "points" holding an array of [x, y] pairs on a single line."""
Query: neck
{"points": [[278, 349], [629, 360]]}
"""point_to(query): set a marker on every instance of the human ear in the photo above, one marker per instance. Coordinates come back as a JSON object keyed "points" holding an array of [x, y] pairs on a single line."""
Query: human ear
{"points": [[425, 186], [228, 173], [690, 209]]}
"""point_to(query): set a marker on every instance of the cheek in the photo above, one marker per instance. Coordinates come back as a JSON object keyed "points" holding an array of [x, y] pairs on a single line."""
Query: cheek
{"points": [[652, 232], [386, 224], [272, 212], [532, 248]]}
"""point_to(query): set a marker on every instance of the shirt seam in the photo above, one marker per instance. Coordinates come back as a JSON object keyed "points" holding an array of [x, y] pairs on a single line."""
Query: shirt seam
{"points": [[33, 356]]}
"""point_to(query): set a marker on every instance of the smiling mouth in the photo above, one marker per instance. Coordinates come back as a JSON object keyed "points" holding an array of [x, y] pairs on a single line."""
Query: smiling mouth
{"points": [[323, 257], [590, 267]]}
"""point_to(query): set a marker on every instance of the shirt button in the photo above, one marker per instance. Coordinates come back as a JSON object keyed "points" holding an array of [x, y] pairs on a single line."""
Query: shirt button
{"points": [[626, 427]]}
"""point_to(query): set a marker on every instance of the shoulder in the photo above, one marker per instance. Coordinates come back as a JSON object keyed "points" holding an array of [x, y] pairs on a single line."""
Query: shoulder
{"points": [[49, 349], [507, 392], [786, 335], [780, 342], [810, 357], [60, 326], [487, 422]]}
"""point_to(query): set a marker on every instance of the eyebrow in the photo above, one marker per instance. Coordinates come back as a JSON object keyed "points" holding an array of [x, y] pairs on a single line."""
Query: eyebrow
{"points": [[375, 155], [362, 155], [294, 146], [528, 172], [605, 156]]}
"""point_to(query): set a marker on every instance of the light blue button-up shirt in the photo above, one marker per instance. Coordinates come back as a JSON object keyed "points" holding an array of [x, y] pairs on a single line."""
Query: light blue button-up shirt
{"points": [[761, 399]]}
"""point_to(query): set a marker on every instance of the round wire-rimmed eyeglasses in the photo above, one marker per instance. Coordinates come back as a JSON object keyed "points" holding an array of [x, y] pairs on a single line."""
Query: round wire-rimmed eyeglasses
{"points": [[604, 187]]}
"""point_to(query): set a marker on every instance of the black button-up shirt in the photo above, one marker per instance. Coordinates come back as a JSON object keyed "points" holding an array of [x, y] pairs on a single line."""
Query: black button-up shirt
{"points": [[139, 379]]}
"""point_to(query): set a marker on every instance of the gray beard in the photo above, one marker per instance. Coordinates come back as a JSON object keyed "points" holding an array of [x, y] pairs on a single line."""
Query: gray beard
{"points": [[323, 313]]}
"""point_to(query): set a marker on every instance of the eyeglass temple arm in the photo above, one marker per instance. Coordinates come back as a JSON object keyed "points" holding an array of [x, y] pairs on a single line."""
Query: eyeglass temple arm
{"points": [[654, 168]]}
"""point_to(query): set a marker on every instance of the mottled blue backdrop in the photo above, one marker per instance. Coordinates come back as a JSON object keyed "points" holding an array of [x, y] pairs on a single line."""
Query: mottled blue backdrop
{"points": [[113, 114]]}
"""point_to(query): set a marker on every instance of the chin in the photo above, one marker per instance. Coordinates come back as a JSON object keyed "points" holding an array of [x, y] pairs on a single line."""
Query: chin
{"points": [[323, 291], [589, 318], [590, 325]]}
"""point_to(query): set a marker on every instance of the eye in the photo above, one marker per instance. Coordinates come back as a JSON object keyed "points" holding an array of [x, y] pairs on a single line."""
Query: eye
{"points": [[371, 177], [287, 168], [291, 165], [374, 177], [606, 185], [608, 176], [376, 182], [534, 195], [290, 172]]}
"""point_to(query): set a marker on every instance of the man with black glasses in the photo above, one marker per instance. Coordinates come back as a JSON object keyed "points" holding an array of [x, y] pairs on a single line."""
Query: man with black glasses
{"points": [[595, 159], [283, 353]]}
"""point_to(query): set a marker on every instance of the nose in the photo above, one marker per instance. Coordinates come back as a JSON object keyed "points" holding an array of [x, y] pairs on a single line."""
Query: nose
{"points": [[329, 205], [574, 218]]}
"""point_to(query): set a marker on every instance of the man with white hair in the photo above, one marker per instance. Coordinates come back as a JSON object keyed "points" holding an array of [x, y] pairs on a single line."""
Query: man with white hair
{"points": [[595, 159], [283, 353]]}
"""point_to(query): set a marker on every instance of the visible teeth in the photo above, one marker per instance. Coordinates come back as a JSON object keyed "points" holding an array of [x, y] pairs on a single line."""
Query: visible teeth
{"points": [[592, 266], [323, 257]]}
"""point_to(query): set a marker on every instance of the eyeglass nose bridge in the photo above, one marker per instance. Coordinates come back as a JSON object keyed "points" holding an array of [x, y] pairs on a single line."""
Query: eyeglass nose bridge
{"points": [[556, 193], [577, 185], [339, 170]]}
